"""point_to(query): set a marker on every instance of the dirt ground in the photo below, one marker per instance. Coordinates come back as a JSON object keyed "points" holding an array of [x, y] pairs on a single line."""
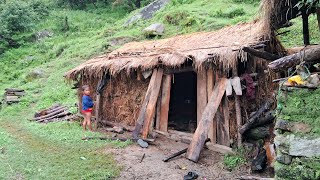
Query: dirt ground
{"points": [[152, 167]]}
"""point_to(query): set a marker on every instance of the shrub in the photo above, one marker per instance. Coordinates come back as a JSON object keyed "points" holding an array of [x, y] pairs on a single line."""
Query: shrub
{"points": [[231, 14]]}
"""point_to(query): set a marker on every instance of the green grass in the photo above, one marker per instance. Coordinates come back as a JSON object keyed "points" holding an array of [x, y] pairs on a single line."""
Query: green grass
{"points": [[233, 161], [295, 37]]}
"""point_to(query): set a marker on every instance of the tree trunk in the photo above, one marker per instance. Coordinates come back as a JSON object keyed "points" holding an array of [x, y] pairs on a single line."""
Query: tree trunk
{"points": [[202, 130], [309, 55]]}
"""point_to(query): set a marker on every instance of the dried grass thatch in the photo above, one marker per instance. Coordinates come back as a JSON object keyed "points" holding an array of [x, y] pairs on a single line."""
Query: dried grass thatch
{"points": [[221, 48]]}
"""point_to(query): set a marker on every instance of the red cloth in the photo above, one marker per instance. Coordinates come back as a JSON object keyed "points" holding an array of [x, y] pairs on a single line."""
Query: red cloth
{"points": [[250, 93], [86, 111]]}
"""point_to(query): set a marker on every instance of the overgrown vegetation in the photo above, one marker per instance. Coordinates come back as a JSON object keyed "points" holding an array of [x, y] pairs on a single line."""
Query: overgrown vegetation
{"points": [[301, 106], [233, 161]]}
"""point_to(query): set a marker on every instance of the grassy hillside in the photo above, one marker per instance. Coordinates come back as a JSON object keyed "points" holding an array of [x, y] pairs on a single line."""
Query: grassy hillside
{"points": [[54, 150]]}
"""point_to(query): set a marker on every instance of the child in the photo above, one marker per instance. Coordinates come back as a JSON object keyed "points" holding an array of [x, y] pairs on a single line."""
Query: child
{"points": [[87, 105]]}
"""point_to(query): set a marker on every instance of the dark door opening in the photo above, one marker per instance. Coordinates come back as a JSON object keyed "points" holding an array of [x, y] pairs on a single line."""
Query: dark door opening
{"points": [[183, 102]]}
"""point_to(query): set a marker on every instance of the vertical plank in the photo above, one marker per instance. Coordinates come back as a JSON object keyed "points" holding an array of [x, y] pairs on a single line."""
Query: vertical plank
{"points": [[238, 117], [201, 93], [226, 126], [150, 110], [142, 112], [97, 110], [202, 130], [158, 110], [210, 84], [164, 105]]}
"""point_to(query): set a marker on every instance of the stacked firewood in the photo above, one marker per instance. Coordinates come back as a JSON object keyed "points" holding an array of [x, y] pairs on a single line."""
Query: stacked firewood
{"points": [[54, 114], [12, 95]]}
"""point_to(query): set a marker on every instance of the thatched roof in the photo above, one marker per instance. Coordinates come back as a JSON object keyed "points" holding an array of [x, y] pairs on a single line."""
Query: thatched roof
{"points": [[221, 48]]}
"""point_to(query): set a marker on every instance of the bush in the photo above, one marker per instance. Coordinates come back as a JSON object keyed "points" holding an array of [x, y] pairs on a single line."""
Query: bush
{"points": [[230, 14]]}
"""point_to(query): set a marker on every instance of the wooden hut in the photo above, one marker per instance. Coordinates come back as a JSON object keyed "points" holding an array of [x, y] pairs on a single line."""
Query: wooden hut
{"points": [[166, 84]]}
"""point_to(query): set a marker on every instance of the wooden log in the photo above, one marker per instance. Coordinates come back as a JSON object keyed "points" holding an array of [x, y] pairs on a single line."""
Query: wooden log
{"points": [[201, 93], [13, 90], [12, 98], [150, 110], [268, 118], [308, 55], [53, 109], [210, 110], [261, 54], [179, 153], [254, 118], [117, 139], [219, 148], [97, 111], [165, 100], [143, 109], [64, 113], [51, 114], [239, 119]]}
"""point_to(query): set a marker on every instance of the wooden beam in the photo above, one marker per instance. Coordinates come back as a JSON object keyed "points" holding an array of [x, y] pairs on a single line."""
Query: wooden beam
{"points": [[202, 130], [308, 55], [239, 119], [164, 104], [305, 27], [201, 93], [178, 70], [150, 110], [260, 54], [236, 85], [226, 127], [158, 111], [97, 111], [143, 109], [229, 88]]}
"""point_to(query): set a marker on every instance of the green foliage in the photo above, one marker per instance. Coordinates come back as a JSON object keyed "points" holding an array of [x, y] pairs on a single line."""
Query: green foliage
{"points": [[231, 14], [232, 161], [309, 4], [246, 1], [179, 2], [301, 106]]}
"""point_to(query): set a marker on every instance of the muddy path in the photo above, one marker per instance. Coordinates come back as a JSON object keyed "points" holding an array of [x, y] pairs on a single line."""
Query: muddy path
{"points": [[152, 167]]}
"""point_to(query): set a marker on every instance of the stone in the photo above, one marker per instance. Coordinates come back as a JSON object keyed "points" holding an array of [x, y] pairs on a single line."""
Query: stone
{"points": [[35, 74], [284, 159], [148, 11], [114, 135], [142, 143], [297, 146], [42, 35], [156, 29], [109, 129], [118, 129], [292, 126]]}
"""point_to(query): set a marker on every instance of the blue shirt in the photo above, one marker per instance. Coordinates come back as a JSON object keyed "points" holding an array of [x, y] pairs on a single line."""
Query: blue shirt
{"points": [[86, 102]]}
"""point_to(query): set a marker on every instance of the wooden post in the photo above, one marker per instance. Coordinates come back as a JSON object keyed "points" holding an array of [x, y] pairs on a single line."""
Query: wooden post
{"points": [[158, 110], [201, 93], [305, 27], [202, 130], [210, 84], [97, 111], [238, 117], [318, 17], [150, 110], [165, 100], [142, 112], [226, 128]]}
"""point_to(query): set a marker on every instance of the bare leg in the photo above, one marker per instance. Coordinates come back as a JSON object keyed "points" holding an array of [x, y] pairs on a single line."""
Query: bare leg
{"points": [[84, 124], [89, 122]]}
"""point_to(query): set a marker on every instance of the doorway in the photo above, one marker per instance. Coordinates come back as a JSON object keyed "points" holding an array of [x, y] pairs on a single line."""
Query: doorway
{"points": [[183, 102]]}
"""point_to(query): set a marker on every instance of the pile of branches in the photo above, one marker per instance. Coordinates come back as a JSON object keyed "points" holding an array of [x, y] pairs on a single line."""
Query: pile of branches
{"points": [[54, 114]]}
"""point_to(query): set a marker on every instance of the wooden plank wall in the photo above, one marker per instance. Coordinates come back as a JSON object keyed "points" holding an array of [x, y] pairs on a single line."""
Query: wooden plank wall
{"points": [[202, 97]]}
